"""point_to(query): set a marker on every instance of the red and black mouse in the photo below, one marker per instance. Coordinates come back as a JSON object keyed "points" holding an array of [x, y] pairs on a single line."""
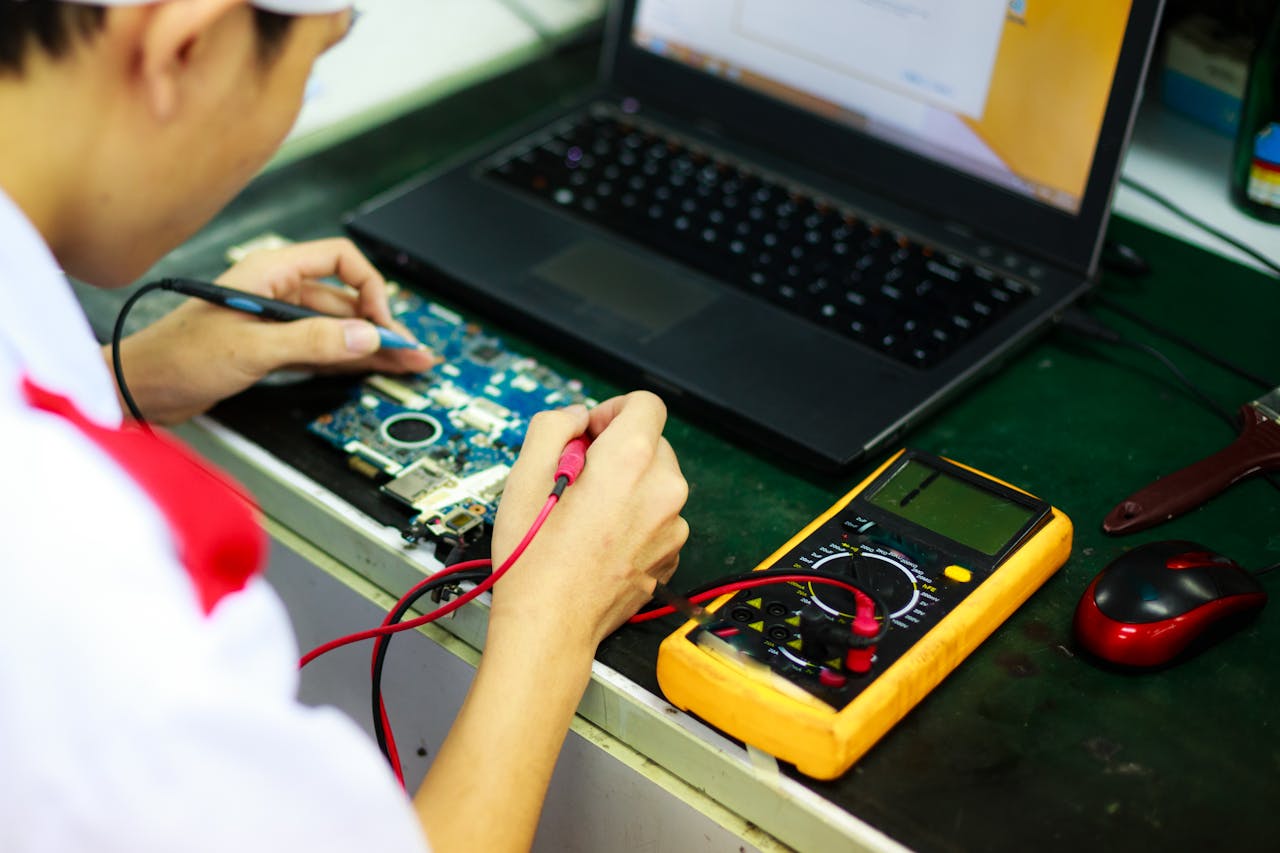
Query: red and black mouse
{"points": [[1151, 603]]}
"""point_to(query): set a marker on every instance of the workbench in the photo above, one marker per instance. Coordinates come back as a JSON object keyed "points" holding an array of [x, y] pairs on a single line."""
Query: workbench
{"points": [[1027, 745]]}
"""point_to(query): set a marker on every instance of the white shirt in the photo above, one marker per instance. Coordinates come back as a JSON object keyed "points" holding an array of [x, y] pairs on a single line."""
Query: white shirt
{"points": [[131, 720]]}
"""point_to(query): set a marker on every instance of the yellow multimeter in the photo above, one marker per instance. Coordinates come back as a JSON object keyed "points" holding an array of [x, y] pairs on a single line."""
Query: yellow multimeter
{"points": [[947, 551]]}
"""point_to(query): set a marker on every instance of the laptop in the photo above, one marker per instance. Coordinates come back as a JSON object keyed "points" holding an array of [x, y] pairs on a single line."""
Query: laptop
{"points": [[806, 224]]}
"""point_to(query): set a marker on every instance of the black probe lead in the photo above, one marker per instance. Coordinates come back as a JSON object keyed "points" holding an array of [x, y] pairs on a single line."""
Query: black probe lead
{"points": [[383, 643]]}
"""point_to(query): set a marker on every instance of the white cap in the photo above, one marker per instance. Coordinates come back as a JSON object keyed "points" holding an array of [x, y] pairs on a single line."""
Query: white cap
{"points": [[284, 7]]}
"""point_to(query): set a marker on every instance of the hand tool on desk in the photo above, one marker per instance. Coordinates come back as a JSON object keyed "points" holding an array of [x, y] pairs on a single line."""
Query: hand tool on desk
{"points": [[1257, 449]]}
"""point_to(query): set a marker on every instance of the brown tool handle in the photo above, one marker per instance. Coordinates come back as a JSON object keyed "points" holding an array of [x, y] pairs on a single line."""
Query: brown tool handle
{"points": [[1257, 449]]}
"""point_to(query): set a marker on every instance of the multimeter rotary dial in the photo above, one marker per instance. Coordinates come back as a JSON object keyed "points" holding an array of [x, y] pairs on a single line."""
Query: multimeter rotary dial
{"points": [[891, 575]]}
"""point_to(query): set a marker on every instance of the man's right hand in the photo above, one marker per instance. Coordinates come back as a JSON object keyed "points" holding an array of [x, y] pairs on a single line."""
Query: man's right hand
{"points": [[615, 533]]}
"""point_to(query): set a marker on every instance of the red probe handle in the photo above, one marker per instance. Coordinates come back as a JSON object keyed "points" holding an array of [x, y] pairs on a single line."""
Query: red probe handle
{"points": [[572, 459]]}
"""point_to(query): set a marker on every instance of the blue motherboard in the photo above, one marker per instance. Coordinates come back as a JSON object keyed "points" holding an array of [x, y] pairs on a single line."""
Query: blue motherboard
{"points": [[446, 439], [440, 443]]}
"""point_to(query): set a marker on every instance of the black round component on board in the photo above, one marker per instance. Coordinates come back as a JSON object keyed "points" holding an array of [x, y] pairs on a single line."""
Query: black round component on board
{"points": [[412, 429]]}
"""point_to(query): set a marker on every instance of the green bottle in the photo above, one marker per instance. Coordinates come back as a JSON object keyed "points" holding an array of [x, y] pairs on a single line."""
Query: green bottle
{"points": [[1255, 176]]}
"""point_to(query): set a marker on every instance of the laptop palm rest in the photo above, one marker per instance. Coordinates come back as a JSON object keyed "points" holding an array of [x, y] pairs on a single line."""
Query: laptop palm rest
{"points": [[611, 283]]}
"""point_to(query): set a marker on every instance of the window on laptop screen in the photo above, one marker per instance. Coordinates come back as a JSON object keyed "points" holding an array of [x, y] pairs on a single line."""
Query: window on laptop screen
{"points": [[1009, 91]]}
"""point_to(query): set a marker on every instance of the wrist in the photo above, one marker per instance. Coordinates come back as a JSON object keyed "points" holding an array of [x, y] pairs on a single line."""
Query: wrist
{"points": [[555, 665], [530, 633]]}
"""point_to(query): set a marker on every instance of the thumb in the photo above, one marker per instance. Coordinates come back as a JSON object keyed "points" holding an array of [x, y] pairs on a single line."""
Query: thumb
{"points": [[321, 340]]}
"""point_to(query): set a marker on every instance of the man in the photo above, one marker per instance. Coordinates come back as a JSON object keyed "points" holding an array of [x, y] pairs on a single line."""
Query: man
{"points": [[148, 674]]}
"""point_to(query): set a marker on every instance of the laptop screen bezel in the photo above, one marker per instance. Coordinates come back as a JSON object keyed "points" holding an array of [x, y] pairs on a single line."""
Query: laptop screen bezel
{"points": [[1071, 240]]}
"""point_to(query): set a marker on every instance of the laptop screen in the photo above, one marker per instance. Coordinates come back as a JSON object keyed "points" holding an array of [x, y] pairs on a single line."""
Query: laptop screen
{"points": [[1012, 92]]}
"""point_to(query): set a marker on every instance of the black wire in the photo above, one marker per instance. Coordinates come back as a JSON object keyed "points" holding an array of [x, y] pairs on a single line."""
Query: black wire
{"points": [[1184, 342], [1164, 202], [117, 334], [381, 644], [1271, 568], [813, 573], [1080, 321], [1195, 390], [1083, 323]]}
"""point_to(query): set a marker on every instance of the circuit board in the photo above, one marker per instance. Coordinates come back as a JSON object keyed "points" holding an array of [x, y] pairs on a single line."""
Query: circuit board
{"points": [[446, 439], [441, 443]]}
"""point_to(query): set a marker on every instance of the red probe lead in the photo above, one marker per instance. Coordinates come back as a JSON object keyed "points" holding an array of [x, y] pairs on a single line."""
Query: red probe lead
{"points": [[572, 459], [864, 625]]}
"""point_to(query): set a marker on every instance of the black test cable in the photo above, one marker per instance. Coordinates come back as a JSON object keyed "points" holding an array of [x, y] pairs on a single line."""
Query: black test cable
{"points": [[253, 304], [455, 556], [117, 334], [383, 643]]}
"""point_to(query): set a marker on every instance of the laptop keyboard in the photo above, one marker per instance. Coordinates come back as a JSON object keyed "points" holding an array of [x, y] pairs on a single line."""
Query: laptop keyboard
{"points": [[859, 279]]}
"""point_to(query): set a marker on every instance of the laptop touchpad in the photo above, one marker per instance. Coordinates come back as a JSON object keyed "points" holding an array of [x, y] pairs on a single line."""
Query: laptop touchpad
{"points": [[626, 286]]}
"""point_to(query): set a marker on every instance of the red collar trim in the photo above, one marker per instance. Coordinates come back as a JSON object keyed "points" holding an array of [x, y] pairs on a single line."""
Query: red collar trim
{"points": [[215, 530]]}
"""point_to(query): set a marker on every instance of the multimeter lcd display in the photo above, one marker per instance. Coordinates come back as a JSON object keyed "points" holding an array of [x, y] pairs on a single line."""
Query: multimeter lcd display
{"points": [[951, 507]]}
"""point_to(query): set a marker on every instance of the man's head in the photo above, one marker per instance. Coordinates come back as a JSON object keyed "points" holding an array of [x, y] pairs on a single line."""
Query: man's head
{"points": [[127, 125], [55, 27]]}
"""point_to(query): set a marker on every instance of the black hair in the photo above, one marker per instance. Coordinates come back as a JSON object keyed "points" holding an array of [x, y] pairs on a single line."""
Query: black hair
{"points": [[54, 27]]}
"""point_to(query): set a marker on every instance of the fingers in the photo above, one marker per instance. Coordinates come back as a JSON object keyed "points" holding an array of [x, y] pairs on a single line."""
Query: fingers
{"points": [[285, 273], [294, 273], [339, 258], [327, 344], [532, 477], [545, 439], [639, 412], [327, 299], [341, 302], [668, 488]]}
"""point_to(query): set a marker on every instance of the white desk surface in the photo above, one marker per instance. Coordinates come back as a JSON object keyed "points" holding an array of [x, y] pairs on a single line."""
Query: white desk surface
{"points": [[1189, 164]]}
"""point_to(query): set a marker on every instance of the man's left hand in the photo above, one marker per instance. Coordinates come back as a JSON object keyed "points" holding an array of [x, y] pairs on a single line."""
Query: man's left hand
{"points": [[200, 353]]}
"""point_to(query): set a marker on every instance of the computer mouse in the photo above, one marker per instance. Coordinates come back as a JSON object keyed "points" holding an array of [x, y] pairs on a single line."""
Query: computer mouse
{"points": [[1153, 602]]}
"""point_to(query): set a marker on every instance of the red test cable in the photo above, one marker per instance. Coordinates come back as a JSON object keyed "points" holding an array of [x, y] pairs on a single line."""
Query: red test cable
{"points": [[568, 468]]}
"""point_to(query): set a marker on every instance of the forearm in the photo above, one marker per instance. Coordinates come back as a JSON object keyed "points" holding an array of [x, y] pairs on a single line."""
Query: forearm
{"points": [[486, 786]]}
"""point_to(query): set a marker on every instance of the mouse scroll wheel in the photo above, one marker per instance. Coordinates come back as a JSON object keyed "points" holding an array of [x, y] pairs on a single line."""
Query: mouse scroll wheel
{"points": [[1195, 560]]}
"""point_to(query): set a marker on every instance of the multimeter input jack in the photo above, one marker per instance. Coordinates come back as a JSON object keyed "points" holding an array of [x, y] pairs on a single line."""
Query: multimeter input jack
{"points": [[815, 627]]}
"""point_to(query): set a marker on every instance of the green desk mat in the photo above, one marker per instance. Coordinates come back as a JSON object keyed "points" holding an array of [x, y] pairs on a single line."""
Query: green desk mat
{"points": [[1026, 744]]}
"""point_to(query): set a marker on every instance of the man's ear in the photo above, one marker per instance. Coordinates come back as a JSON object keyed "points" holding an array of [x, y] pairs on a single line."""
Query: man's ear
{"points": [[167, 37]]}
